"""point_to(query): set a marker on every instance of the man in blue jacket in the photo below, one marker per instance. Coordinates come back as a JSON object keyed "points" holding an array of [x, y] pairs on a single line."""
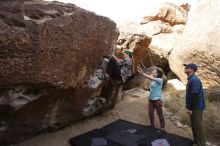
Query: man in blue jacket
{"points": [[195, 103]]}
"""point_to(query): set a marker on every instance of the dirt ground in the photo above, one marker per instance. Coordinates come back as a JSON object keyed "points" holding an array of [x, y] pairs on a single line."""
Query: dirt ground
{"points": [[133, 108]]}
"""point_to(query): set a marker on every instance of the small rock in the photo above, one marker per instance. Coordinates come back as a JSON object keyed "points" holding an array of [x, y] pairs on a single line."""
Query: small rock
{"points": [[175, 118], [167, 116], [172, 118], [164, 109], [179, 125], [185, 126], [208, 144]]}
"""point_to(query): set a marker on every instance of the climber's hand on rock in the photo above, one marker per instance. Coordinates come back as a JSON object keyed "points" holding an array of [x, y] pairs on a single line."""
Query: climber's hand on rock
{"points": [[140, 71]]}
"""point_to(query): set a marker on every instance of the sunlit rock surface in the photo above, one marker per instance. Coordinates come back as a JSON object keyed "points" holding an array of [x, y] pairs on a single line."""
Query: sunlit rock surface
{"points": [[200, 43]]}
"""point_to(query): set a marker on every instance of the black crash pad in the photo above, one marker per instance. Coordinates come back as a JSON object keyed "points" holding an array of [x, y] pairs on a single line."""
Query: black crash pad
{"points": [[125, 133]]}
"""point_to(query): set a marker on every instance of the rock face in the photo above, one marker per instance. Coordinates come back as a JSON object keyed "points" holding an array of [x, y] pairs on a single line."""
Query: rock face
{"points": [[138, 44], [170, 13], [49, 52], [153, 41], [200, 43], [135, 93]]}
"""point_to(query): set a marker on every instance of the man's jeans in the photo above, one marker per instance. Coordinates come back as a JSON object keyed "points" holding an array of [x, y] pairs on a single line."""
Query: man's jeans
{"points": [[197, 129]]}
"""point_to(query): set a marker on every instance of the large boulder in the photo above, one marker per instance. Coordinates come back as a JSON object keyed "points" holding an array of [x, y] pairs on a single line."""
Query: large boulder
{"points": [[200, 43], [132, 38], [49, 54]]}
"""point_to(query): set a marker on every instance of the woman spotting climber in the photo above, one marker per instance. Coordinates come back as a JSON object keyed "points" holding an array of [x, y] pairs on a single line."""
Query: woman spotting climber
{"points": [[155, 97]]}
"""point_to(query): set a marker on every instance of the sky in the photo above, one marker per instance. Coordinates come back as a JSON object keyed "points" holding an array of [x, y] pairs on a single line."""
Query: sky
{"points": [[122, 11]]}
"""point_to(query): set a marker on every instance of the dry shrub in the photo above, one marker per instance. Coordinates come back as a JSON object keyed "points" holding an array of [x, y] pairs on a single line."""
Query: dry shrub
{"points": [[211, 118], [176, 105]]}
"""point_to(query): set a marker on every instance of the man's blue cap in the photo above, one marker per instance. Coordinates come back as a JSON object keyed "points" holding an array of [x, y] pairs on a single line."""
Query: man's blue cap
{"points": [[191, 66]]}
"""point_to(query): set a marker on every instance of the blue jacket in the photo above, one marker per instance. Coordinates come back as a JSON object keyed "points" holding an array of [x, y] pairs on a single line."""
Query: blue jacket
{"points": [[194, 93]]}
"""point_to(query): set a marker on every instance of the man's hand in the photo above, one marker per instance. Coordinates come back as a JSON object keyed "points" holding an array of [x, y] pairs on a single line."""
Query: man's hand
{"points": [[189, 112]]}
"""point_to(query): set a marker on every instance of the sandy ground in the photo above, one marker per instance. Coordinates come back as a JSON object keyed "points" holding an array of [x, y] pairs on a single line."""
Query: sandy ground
{"points": [[133, 108]]}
